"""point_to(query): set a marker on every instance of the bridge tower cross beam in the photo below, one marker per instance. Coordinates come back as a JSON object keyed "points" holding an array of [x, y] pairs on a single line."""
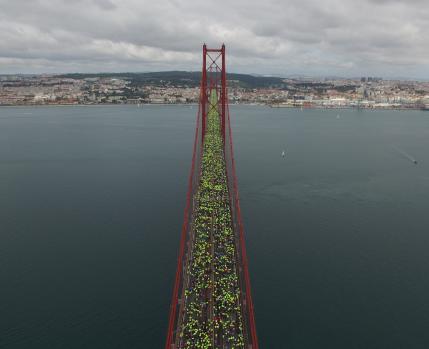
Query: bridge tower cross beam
{"points": [[214, 77]]}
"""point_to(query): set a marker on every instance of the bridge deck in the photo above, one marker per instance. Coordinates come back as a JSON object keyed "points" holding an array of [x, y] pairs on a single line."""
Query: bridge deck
{"points": [[211, 313]]}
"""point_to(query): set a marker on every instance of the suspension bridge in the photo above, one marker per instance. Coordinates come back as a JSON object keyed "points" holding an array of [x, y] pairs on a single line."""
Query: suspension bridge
{"points": [[211, 305]]}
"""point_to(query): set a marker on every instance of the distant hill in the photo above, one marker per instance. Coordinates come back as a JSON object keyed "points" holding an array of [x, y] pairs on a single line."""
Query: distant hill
{"points": [[183, 78]]}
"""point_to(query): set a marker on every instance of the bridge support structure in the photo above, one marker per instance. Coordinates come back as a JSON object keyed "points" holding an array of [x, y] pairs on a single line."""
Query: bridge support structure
{"points": [[213, 83], [213, 77]]}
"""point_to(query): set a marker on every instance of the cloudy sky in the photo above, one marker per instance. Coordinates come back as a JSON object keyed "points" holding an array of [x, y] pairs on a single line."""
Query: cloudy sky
{"points": [[388, 38]]}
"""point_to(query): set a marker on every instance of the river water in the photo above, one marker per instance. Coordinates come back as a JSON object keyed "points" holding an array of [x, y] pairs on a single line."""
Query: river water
{"points": [[91, 206]]}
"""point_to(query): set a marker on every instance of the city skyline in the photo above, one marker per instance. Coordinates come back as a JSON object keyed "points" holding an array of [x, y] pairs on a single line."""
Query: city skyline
{"points": [[386, 38], [183, 88]]}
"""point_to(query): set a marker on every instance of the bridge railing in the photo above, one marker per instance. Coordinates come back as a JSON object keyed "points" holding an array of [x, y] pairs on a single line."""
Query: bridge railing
{"points": [[247, 302], [186, 238]]}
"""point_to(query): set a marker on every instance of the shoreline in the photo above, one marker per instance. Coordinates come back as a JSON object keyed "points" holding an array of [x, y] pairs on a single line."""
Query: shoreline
{"points": [[196, 105]]}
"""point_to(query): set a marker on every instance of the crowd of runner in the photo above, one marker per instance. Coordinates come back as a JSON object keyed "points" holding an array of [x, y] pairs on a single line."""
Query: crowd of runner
{"points": [[212, 313]]}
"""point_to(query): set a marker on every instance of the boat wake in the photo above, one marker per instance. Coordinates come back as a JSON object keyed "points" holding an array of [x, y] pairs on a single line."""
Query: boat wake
{"points": [[406, 155]]}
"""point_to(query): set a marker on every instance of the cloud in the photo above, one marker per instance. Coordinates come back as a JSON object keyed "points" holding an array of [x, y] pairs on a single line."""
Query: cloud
{"points": [[328, 37]]}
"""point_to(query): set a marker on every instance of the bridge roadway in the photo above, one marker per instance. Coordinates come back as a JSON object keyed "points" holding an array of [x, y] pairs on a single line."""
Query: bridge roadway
{"points": [[211, 313]]}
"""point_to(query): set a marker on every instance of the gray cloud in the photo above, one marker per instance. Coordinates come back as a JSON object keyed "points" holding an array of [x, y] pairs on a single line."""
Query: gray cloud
{"points": [[328, 37]]}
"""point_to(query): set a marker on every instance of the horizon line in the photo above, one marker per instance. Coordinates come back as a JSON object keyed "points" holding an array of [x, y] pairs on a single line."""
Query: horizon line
{"points": [[288, 76]]}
